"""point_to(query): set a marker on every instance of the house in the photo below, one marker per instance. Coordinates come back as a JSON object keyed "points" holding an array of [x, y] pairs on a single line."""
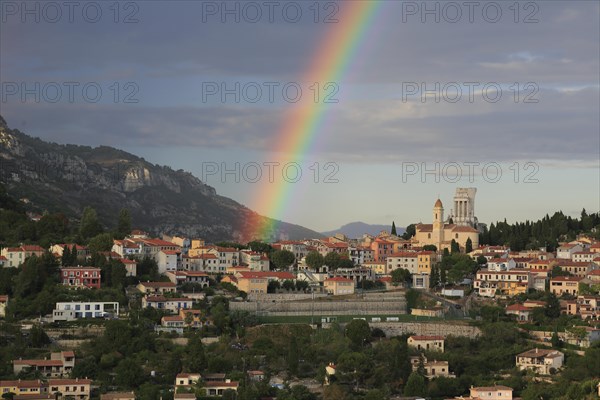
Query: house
{"points": [[584, 256], [522, 312], [565, 285], [433, 369], [594, 276], [71, 311], [248, 282], [330, 370], [118, 396], [156, 287], [542, 361], [382, 248], [426, 259], [82, 251], [501, 264], [24, 387], [428, 343], [15, 256], [207, 262], [81, 277], [59, 365], [172, 323], [256, 375], [566, 251], [360, 254], [195, 315], [379, 268], [254, 260], [339, 285], [420, 281], [3, 304], [576, 268], [3, 261], [170, 304], [181, 277], [78, 389], [585, 307], [130, 266], [215, 388], [168, 260], [506, 282], [187, 379], [406, 260], [496, 392]]}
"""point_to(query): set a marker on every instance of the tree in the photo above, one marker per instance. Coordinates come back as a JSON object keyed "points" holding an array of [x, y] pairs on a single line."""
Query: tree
{"points": [[65, 259], [129, 374], [409, 232], [314, 260], [272, 286], [468, 245], [394, 229], [359, 332], [415, 385], [332, 260], [430, 247], [552, 308], [100, 243], [401, 275], [435, 277], [124, 223], [90, 225], [38, 336], [481, 261], [293, 358], [282, 259], [195, 357], [334, 392], [454, 247], [288, 284]]}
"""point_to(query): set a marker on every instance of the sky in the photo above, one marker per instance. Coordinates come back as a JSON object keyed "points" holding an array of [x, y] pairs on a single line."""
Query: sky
{"points": [[502, 96]]}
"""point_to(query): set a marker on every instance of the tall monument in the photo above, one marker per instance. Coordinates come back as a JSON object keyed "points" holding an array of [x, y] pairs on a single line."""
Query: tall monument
{"points": [[464, 207]]}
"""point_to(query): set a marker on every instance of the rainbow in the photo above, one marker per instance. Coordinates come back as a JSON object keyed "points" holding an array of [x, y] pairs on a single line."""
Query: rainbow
{"points": [[302, 124]]}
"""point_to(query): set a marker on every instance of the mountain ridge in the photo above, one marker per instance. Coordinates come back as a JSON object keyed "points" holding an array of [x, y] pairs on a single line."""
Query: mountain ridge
{"points": [[55, 177], [356, 229]]}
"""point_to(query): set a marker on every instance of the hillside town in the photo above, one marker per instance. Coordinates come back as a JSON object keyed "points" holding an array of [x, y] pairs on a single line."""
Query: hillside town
{"points": [[425, 293]]}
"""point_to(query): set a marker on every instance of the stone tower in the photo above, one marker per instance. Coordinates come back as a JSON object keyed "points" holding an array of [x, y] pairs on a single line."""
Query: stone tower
{"points": [[437, 232], [464, 207]]}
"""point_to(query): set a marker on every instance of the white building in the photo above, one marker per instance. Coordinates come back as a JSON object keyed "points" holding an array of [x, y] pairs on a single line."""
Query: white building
{"points": [[566, 251], [74, 310]]}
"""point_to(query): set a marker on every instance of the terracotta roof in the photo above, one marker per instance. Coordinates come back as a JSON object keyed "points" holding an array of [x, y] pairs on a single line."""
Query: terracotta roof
{"points": [[77, 381], [405, 254], [3, 298], [338, 279], [170, 252], [566, 279], [39, 363], [266, 274], [158, 284], [423, 337], [23, 383], [517, 307], [536, 353], [221, 384], [438, 203], [32, 247]]}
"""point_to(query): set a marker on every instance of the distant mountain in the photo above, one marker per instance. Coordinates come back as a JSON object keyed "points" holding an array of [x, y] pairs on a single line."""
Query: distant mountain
{"points": [[66, 178], [355, 230]]}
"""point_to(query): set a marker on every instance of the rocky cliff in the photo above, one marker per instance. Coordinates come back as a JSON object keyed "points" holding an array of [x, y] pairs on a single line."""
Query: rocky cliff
{"points": [[52, 177]]}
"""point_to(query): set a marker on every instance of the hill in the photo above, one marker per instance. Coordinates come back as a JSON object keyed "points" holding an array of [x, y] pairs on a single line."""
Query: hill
{"points": [[66, 178], [355, 230]]}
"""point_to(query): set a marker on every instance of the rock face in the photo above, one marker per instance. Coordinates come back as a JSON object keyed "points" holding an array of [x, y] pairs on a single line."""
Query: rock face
{"points": [[67, 178]]}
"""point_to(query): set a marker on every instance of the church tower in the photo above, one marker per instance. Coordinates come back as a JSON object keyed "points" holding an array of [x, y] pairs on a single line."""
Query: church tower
{"points": [[438, 224]]}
